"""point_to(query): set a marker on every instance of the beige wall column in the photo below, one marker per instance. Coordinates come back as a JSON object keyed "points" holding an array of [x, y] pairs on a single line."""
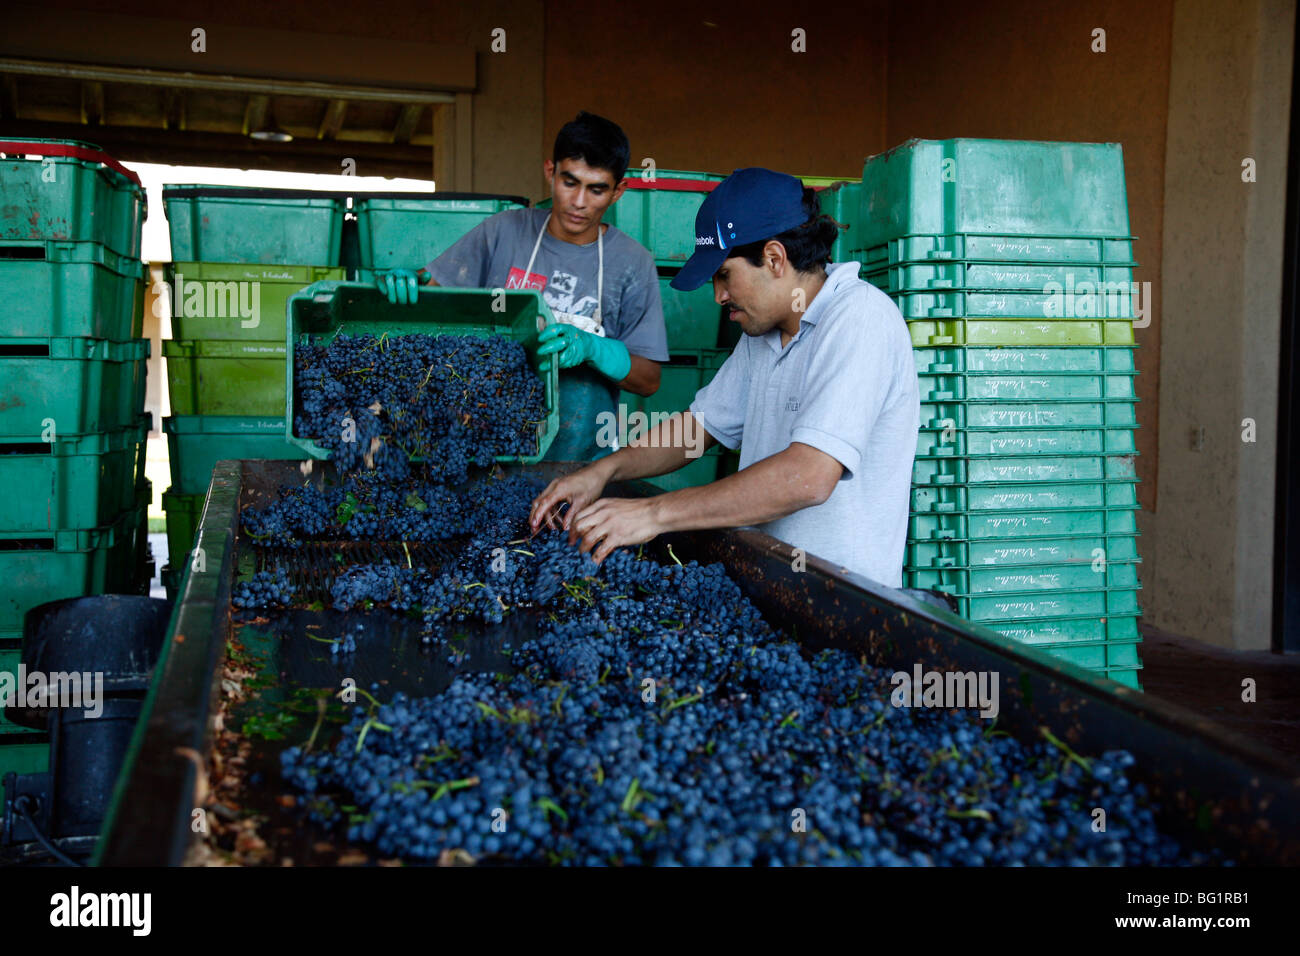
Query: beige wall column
{"points": [[1229, 102]]}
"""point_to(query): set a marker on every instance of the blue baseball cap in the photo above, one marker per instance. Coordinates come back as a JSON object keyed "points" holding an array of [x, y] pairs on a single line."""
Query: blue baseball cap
{"points": [[749, 205]]}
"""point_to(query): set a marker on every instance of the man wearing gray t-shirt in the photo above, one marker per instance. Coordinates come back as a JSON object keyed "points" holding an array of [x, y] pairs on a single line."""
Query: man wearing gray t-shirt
{"points": [[820, 395], [600, 283]]}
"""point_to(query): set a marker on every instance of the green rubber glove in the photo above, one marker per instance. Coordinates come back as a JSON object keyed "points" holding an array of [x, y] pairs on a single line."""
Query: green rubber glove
{"points": [[401, 286], [572, 346]]}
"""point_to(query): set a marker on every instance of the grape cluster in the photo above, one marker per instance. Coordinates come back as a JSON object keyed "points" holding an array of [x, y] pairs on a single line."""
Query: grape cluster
{"points": [[266, 589], [454, 401], [657, 719]]}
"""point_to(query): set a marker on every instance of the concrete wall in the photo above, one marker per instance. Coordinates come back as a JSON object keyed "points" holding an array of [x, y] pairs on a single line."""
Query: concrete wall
{"points": [[1229, 101]]}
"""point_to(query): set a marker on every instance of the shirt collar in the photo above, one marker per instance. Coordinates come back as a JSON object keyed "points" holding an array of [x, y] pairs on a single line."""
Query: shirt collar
{"points": [[837, 274]]}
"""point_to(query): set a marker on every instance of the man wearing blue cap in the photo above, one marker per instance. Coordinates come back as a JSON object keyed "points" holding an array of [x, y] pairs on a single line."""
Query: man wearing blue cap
{"points": [[820, 395]]}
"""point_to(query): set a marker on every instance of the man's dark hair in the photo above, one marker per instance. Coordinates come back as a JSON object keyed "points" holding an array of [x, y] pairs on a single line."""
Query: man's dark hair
{"points": [[807, 245], [596, 141]]}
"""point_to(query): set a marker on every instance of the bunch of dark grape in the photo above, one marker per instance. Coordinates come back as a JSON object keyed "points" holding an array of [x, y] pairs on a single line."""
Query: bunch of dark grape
{"points": [[453, 401], [266, 589]]}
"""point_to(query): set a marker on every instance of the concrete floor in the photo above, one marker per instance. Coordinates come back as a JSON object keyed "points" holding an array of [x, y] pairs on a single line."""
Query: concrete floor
{"points": [[1207, 679]]}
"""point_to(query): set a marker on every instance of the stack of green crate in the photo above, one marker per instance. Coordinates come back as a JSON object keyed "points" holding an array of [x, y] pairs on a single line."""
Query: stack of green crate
{"points": [[1012, 263], [409, 230], [239, 254], [72, 385]]}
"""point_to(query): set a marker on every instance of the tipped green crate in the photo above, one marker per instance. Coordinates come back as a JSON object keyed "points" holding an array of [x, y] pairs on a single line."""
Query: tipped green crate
{"points": [[217, 377], [1042, 387], [85, 196], [195, 443], [183, 513], [36, 567], [81, 385], [1008, 470], [941, 442], [251, 225], [64, 288], [408, 230], [236, 300], [1003, 276], [992, 186], [76, 481], [994, 525], [1009, 360], [325, 310], [1089, 550], [1101, 656], [958, 247], [1020, 332]]}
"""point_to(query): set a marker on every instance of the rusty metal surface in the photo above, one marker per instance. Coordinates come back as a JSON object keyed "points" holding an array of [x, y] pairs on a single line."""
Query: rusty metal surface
{"points": [[1215, 787]]}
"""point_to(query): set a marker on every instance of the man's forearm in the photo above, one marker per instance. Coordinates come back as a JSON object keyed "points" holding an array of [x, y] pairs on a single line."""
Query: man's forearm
{"points": [[663, 449], [769, 489]]}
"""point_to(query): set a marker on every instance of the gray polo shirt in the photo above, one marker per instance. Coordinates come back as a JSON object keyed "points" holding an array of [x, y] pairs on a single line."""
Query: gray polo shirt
{"points": [[846, 385]]}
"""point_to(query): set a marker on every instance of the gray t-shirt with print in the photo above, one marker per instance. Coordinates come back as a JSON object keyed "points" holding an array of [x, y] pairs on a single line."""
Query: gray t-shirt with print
{"points": [[494, 254]]}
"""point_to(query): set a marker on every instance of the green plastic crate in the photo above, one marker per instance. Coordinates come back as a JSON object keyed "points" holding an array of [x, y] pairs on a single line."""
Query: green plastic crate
{"points": [[77, 481], [406, 231], [974, 360], [1014, 608], [1020, 552], [1112, 303], [660, 214], [1015, 249], [243, 224], [981, 526], [69, 197], [693, 319], [1124, 675], [843, 202], [955, 443], [1044, 496], [9, 658], [1013, 580], [37, 567], [67, 289], [195, 443], [1009, 470], [1077, 386], [1006, 276], [1010, 415], [684, 374], [183, 514], [327, 309], [994, 186], [236, 300], [1100, 656], [1020, 332], [82, 385], [1070, 630], [216, 377], [701, 471]]}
